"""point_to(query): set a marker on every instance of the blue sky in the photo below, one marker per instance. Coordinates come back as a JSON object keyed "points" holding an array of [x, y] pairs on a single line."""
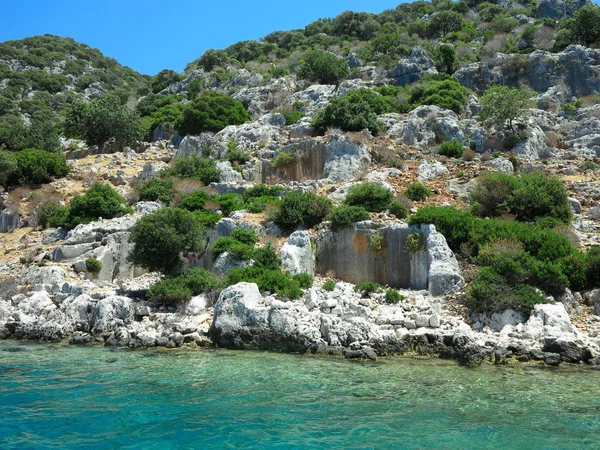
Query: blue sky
{"points": [[151, 35]]}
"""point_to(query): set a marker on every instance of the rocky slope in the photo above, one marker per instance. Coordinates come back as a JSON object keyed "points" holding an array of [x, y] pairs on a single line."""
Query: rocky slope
{"points": [[48, 295]]}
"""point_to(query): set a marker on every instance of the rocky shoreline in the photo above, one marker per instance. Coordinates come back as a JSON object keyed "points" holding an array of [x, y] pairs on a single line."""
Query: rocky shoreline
{"points": [[339, 323]]}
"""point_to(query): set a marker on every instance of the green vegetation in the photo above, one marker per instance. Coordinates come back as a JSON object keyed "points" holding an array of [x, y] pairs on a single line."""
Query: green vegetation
{"points": [[322, 67], [236, 156], [301, 209], [211, 111], [501, 105], [417, 192], [160, 237], [93, 266], [370, 196], [367, 287], [282, 160], [196, 168], [515, 258], [414, 243], [583, 28], [52, 215], [346, 216], [183, 287], [440, 90], [329, 285], [528, 196], [398, 209], [157, 190], [452, 149], [100, 200], [393, 297], [102, 119], [31, 166]]}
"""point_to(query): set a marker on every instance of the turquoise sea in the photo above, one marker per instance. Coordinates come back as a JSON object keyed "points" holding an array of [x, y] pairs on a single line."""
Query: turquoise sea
{"points": [[60, 397]]}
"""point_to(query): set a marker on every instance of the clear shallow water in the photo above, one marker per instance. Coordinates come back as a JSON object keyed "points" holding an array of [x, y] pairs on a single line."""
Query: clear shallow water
{"points": [[54, 397]]}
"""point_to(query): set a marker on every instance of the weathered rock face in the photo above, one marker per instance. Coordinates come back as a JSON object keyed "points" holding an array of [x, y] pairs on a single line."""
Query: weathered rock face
{"points": [[557, 9], [412, 69], [332, 160], [427, 126], [260, 99], [576, 69], [374, 252], [296, 254], [9, 221]]}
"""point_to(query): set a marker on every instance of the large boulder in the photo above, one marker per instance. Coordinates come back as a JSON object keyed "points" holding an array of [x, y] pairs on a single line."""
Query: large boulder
{"points": [[412, 69], [345, 159], [427, 126], [296, 254], [444, 275], [111, 312]]}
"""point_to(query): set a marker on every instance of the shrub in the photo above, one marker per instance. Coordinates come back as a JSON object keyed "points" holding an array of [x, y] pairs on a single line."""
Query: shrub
{"points": [[417, 192], [454, 224], [370, 196], [195, 167], [52, 215], [587, 165], [157, 190], [194, 201], [348, 115], [236, 156], [490, 292], [212, 111], [529, 196], [245, 236], [208, 219], [367, 287], [502, 104], [452, 149], [93, 265], [102, 119], [35, 167], [182, 288], [345, 216], [393, 297], [8, 166], [283, 159], [160, 237], [322, 67], [236, 249], [398, 209], [230, 202], [376, 242], [267, 280], [414, 243], [593, 266], [305, 281], [99, 201], [261, 190], [329, 285], [301, 209], [440, 90]]}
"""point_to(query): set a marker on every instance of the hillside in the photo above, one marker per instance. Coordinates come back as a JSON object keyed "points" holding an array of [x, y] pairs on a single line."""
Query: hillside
{"points": [[424, 180]]}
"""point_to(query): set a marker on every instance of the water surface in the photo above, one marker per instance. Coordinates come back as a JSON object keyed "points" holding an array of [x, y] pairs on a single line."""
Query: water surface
{"points": [[58, 397]]}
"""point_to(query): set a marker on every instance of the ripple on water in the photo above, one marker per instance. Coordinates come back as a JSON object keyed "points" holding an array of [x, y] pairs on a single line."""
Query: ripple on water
{"points": [[66, 398]]}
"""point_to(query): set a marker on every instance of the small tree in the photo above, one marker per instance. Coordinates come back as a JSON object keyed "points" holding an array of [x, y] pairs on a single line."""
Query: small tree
{"points": [[323, 67], [502, 104], [445, 22], [102, 119], [160, 237]]}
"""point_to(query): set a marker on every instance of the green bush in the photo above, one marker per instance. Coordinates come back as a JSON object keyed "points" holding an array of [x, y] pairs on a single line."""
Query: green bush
{"points": [[490, 292], [452, 149], [528, 196], [157, 190], [93, 265], [212, 111], [230, 202], [454, 224], [261, 190], [267, 280], [160, 237], [236, 156], [195, 167], [417, 192], [182, 288], [346, 216], [370, 196], [208, 219], [237, 250], [52, 215], [99, 201], [194, 201], [593, 266], [322, 67], [301, 209], [414, 243], [34, 167], [501, 105], [398, 209], [245, 236], [329, 285], [8, 166], [367, 287], [283, 159], [305, 281], [440, 90], [393, 297]]}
